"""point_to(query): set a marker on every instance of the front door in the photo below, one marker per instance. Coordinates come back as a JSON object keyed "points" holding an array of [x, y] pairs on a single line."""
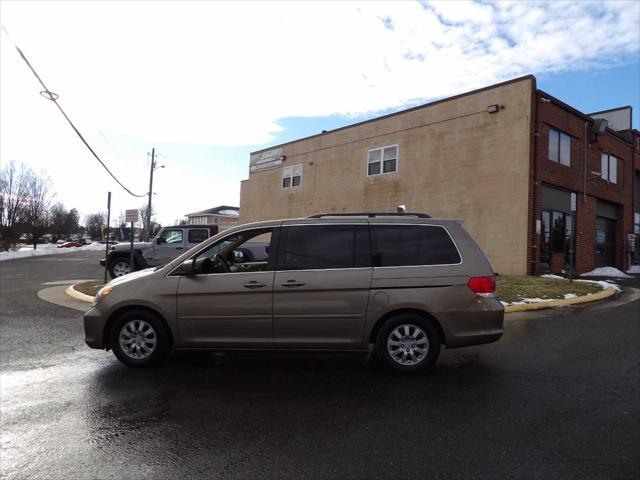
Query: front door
{"points": [[172, 244], [321, 286], [605, 242], [225, 303]]}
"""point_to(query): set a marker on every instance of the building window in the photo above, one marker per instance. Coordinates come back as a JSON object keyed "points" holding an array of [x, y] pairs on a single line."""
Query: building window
{"points": [[382, 160], [292, 176], [609, 169], [559, 147]]}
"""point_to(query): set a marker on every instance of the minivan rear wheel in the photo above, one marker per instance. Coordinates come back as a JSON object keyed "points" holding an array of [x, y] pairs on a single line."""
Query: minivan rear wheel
{"points": [[408, 343], [139, 339]]}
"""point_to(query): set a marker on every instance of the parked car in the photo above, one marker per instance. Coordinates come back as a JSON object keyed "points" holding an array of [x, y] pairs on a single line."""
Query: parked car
{"points": [[70, 244], [169, 243], [399, 285]]}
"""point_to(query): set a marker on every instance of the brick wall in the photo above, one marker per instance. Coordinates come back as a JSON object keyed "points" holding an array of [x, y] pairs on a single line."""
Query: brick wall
{"points": [[555, 115]]}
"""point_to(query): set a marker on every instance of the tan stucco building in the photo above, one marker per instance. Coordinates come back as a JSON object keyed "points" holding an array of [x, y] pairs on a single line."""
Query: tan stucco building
{"points": [[468, 157]]}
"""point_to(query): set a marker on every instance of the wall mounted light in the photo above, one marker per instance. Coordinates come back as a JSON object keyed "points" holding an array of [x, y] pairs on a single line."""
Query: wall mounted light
{"points": [[493, 108], [599, 126]]}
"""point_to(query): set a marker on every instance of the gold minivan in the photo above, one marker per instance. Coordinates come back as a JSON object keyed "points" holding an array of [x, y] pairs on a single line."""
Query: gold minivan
{"points": [[400, 284]]}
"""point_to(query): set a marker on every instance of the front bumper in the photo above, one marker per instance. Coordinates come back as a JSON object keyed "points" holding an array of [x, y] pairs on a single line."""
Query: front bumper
{"points": [[94, 324]]}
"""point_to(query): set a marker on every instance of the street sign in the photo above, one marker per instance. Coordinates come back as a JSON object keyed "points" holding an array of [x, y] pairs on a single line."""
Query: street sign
{"points": [[573, 202], [131, 215]]}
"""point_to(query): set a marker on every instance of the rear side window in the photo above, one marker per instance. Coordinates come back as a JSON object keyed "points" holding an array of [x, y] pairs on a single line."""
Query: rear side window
{"points": [[197, 236], [324, 246], [403, 245]]}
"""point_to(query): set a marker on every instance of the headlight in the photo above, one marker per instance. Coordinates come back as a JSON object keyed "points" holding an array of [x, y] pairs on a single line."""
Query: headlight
{"points": [[101, 295]]}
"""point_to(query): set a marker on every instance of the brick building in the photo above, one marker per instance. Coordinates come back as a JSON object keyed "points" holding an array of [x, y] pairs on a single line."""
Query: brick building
{"points": [[532, 178]]}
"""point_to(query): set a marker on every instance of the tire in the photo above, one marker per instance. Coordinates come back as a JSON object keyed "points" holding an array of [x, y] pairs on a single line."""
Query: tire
{"points": [[408, 343], [119, 266], [140, 339]]}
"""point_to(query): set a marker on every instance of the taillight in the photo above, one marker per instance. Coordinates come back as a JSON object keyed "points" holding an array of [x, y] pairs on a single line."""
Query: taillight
{"points": [[484, 286]]}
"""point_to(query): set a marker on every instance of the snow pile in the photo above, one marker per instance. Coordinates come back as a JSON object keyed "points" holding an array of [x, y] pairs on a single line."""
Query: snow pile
{"points": [[604, 285], [48, 249], [553, 277], [606, 272], [634, 269], [570, 295]]}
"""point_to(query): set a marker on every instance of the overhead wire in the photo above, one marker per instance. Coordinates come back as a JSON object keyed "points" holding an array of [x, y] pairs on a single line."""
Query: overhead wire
{"points": [[48, 94]]}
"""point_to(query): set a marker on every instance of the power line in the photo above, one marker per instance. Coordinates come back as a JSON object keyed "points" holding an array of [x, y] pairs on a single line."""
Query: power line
{"points": [[48, 94]]}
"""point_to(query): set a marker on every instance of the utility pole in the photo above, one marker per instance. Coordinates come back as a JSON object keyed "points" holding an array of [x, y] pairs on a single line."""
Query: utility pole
{"points": [[147, 228]]}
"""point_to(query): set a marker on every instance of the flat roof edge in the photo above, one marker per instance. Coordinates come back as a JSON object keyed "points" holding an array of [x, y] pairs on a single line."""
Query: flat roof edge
{"points": [[399, 112]]}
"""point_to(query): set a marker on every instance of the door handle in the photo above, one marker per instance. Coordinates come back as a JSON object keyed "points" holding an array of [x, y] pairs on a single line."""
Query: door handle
{"points": [[293, 283], [254, 284], [179, 248]]}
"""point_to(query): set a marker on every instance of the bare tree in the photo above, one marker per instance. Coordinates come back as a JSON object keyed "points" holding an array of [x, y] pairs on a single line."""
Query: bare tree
{"points": [[144, 220], [58, 215], [14, 185], [35, 211], [95, 223]]}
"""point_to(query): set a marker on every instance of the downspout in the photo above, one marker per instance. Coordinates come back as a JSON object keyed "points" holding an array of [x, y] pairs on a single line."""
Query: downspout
{"points": [[533, 161], [584, 188]]}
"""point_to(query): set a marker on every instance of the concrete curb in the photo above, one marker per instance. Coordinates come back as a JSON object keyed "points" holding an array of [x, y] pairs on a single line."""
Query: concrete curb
{"points": [[73, 293], [606, 293]]}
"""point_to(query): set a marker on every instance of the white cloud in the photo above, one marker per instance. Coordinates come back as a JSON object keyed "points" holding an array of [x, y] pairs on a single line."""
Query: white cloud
{"points": [[216, 73]]}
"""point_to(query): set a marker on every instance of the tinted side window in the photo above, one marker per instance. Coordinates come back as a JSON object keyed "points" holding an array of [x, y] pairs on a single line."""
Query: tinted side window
{"points": [[323, 246], [197, 236], [412, 245]]}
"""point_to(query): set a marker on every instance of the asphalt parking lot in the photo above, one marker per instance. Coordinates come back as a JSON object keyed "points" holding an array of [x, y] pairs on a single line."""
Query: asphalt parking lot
{"points": [[556, 397]]}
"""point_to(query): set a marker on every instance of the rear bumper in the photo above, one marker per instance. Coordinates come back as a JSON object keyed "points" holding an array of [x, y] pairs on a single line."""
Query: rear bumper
{"points": [[481, 322], [94, 324]]}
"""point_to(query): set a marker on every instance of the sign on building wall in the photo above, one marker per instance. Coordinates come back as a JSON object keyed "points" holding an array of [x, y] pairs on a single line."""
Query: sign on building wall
{"points": [[267, 160]]}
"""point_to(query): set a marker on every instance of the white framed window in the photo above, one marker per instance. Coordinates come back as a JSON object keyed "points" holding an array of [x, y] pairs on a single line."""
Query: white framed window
{"points": [[559, 147], [382, 160], [609, 168], [292, 176]]}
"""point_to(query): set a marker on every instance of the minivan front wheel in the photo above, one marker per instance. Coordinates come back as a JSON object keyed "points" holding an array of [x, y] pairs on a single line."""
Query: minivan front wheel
{"points": [[408, 343], [139, 339]]}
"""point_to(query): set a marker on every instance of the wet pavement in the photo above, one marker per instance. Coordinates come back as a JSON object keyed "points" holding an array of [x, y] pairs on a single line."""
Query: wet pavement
{"points": [[557, 397]]}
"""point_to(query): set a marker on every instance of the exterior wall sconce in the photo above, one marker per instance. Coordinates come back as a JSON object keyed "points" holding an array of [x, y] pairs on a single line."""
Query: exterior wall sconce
{"points": [[495, 108]]}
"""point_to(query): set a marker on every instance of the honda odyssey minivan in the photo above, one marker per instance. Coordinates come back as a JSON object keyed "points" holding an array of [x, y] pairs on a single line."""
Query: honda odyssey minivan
{"points": [[401, 285]]}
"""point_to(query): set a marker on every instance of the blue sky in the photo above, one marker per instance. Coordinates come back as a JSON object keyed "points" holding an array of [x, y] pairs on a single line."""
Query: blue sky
{"points": [[270, 72]]}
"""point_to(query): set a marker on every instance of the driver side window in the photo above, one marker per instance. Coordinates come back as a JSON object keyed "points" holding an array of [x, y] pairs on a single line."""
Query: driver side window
{"points": [[242, 252], [171, 236]]}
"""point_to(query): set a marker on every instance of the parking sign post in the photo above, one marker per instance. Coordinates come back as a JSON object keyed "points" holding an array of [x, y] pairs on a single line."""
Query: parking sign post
{"points": [[131, 216], [108, 222]]}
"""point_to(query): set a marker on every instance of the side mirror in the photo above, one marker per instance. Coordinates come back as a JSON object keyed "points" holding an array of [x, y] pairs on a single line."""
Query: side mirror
{"points": [[186, 268], [160, 240], [238, 256]]}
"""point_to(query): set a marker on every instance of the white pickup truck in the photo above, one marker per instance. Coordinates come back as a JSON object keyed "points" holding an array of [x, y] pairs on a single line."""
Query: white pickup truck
{"points": [[169, 243]]}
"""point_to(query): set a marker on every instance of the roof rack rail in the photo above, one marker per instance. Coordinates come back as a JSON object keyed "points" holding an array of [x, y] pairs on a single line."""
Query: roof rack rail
{"points": [[370, 215]]}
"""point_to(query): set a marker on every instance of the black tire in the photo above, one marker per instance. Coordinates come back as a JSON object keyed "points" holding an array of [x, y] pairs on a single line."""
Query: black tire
{"points": [[114, 266], [122, 328], [423, 361]]}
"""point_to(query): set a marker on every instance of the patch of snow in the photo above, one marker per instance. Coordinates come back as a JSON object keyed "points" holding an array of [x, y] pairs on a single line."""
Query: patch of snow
{"points": [[634, 269], [604, 285], [536, 300], [504, 304], [570, 295], [606, 272], [47, 249], [555, 277]]}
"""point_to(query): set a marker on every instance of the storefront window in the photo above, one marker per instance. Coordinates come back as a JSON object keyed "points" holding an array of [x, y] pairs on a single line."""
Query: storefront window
{"points": [[556, 238]]}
